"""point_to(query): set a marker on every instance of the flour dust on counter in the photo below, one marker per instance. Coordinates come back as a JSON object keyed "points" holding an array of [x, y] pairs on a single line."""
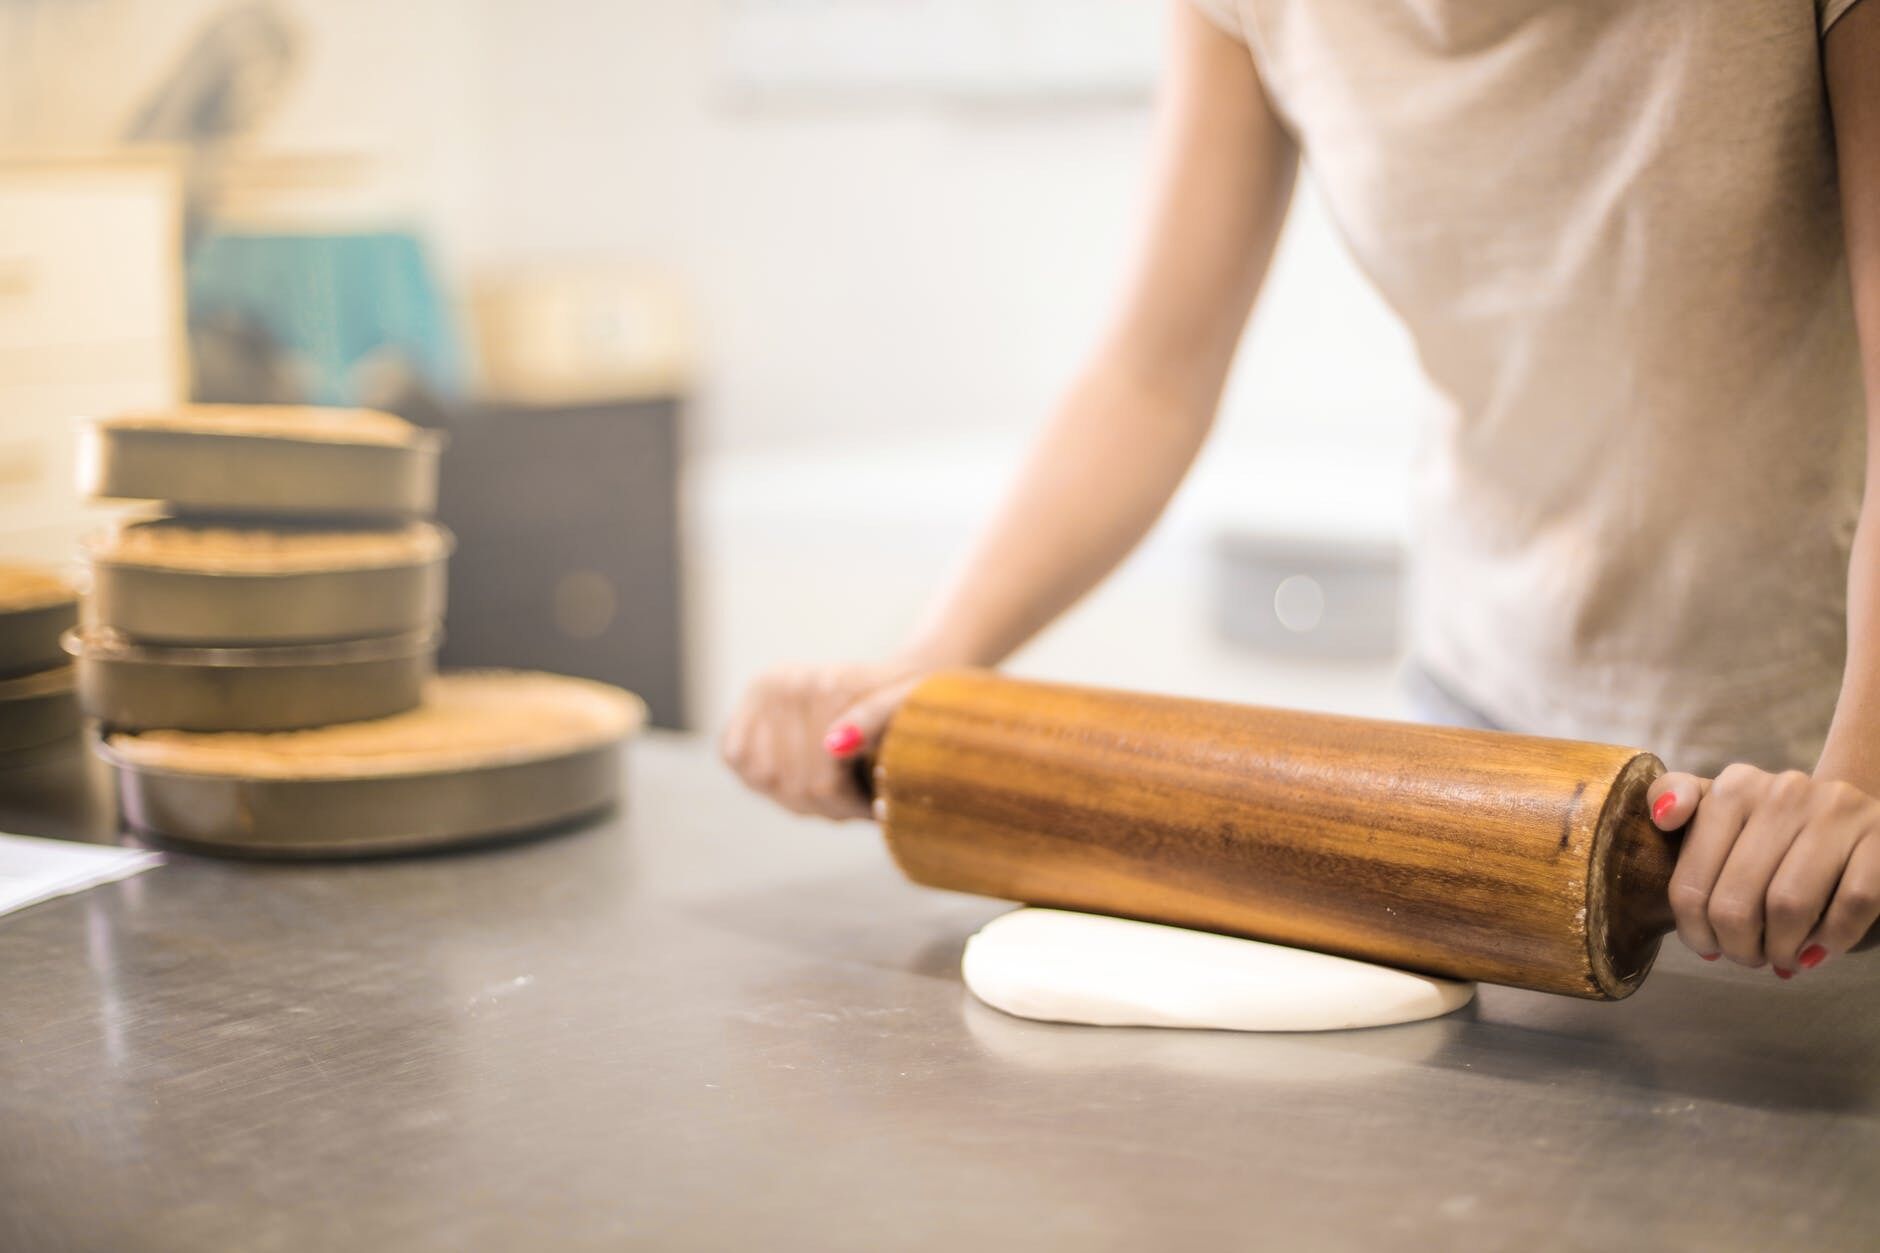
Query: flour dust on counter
{"points": [[1059, 966]]}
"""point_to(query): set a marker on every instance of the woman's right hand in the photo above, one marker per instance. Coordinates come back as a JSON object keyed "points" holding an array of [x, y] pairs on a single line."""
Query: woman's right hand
{"points": [[798, 730]]}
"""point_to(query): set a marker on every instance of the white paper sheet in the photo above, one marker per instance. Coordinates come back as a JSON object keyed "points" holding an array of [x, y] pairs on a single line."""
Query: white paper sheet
{"points": [[34, 870]]}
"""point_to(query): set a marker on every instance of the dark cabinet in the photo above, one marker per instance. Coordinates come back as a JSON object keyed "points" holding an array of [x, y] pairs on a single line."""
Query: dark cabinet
{"points": [[567, 526]]}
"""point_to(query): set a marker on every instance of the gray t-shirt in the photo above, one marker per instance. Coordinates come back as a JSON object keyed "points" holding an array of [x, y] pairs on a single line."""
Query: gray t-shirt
{"points": [[1613, 232]]}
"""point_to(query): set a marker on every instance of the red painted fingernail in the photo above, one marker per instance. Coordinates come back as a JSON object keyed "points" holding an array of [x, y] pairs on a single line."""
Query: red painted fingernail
{"points": [[1710, 957], [1664, 805], [1784, 974], [1812, 956], [842, 741]]}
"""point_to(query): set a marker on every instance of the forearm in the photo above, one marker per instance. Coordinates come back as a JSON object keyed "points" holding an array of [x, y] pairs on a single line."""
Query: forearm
{"points": [[1852, 754], [1130, 426], [1852, 57], [1091, 488]]}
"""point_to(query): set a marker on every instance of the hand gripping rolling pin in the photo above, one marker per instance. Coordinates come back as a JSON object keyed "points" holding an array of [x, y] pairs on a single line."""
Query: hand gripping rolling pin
{"points": [[1473, 855]]}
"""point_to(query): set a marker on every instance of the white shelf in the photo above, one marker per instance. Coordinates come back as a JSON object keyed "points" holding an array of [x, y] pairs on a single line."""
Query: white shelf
{"points": [[962, 49]]}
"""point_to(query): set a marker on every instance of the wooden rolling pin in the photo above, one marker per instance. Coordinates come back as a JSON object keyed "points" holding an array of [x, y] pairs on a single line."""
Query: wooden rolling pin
{"points": [[1469, 854]]}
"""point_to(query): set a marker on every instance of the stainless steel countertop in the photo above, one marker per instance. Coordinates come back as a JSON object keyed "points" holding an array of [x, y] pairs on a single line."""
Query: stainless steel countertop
{"points": [[706, 1025]]}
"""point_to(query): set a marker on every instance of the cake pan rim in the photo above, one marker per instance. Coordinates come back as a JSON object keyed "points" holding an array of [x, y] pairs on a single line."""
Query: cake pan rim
{"points": [[536, 773], [38, 684], [446, 536], [247, 657], [424, 439], [102, 747]]}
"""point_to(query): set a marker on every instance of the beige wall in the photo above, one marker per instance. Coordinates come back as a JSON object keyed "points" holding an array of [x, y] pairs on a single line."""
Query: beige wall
{"points": [[869, 273]]}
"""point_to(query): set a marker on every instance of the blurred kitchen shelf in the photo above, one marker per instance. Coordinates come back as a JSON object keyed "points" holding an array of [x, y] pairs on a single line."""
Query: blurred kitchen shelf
{"points": [[557, 336], [91, 321]]}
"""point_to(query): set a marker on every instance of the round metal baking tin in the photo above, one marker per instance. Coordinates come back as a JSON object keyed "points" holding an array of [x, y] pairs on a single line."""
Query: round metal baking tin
{"points": [[141, 687], [37, 710], [29, 638], [358, 816], [164, 605], [211, 472]]}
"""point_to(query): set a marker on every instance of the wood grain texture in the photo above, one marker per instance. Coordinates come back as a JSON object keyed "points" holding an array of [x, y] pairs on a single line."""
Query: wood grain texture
{"points": [[1468, 854]]}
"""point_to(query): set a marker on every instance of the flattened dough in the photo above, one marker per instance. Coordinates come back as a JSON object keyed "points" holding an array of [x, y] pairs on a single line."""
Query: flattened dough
{"points": [[1057, 966]]}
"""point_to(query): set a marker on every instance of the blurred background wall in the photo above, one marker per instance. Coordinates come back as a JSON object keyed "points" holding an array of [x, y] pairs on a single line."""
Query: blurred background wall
{"points": [[864, 295]]}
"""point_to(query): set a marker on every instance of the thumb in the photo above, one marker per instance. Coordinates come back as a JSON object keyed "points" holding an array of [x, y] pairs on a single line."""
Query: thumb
{"points": [[857, 731], [1673, 799]]}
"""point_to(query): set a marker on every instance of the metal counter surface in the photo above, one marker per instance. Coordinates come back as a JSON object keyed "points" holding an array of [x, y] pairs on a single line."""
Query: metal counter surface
{"points": [[705, 1025]]}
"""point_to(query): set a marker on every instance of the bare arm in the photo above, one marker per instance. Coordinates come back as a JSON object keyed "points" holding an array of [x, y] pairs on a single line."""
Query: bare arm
{"points": [[1113, 455], [1852, 54], [1131, 424]]}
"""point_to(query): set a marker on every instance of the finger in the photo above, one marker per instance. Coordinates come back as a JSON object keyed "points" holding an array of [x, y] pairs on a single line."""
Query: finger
{"points": [[807, 768], [858, 730], [1736, 908], [760, 758], [1856, 904], [1673, 797], [817, 777], [734, 741], [837, 799], [1799, 894], [1707, 841], [791, 790], [831, 783]]}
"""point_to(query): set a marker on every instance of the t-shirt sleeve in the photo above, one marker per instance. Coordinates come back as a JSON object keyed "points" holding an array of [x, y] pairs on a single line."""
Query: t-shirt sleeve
{"points": [[1226, 14], [1828, 11]]}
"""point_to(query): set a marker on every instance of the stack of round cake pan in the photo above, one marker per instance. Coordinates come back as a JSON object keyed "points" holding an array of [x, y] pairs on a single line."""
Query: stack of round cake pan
{"points": [[260, 656], [37, 710], [269, 461], [293, 579]]}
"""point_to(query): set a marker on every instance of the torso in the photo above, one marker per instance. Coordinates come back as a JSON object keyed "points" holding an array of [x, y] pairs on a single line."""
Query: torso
{"points": [[1612, 230]]}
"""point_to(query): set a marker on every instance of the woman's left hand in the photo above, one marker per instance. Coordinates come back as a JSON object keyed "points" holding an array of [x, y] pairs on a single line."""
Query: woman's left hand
{"points": [[1781, 869]]}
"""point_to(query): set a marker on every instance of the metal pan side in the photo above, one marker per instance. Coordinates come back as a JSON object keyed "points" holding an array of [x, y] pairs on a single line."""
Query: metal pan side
{"points": [[142, 688], [37, 711], [349, 817], [29, 638], [250, 474], [192, 607]]}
